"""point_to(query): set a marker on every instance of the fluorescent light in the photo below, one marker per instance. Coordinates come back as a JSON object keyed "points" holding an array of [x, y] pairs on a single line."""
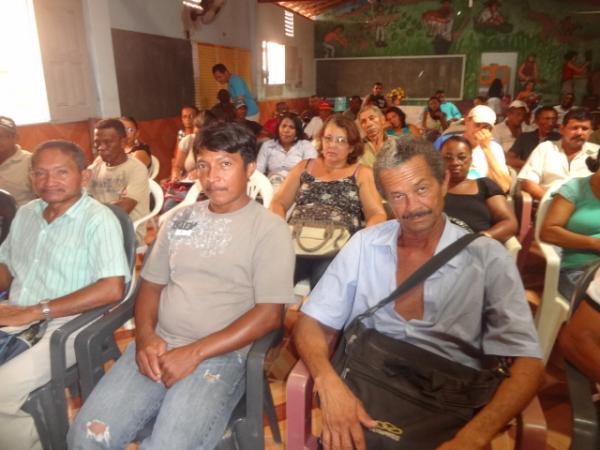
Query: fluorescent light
{"points": [[196, 4]]}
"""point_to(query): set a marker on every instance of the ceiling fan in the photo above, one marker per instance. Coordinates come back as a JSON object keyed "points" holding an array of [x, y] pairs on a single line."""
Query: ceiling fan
{"points": [[197, 12]]}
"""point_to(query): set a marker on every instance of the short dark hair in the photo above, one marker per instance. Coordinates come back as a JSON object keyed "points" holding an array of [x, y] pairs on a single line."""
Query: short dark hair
{"points": [[352, 134], [204, 118], [440, 91], [378, 83], [115, 124], [192, 107], [356, 97], [227, 137], [69, 148], [296, 120], [593, 164], [457, 138], [406, 148], [130, 119], [224, 96], [543, 109], [579, 114], [399, 112], [219, 68]]}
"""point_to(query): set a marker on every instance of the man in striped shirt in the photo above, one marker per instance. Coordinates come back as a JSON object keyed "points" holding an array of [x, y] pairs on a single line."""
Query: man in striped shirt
{"points": [[64, 255]]}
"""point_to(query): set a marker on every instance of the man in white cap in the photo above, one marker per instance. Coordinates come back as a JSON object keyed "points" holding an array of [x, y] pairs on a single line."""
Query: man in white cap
{"points": [[507, 131], [488, 155]]}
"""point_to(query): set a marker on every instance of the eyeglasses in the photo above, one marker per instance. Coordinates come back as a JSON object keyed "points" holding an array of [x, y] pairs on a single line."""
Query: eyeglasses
{"points": [[459, 158], [335, 139]]}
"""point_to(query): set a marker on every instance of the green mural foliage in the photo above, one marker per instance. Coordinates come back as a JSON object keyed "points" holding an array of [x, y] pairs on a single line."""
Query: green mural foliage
{"points": [[548, 28]]}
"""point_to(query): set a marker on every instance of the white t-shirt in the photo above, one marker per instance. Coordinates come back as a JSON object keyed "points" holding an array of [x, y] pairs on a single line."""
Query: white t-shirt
{"points": [[479, 166], [313, 127], [130, 179], [548, 163]]}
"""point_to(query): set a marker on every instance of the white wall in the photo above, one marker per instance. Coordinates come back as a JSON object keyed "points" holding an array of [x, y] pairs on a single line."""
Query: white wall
{"points": [[232, 27], [269, 27]]}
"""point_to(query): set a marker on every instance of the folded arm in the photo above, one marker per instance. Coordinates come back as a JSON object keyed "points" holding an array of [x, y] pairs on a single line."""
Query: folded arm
{"points": [[554, 232], [102, 292]]}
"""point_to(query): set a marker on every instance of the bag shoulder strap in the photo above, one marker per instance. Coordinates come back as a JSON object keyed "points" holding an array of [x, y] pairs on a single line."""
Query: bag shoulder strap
{"points": [[423, 272]]}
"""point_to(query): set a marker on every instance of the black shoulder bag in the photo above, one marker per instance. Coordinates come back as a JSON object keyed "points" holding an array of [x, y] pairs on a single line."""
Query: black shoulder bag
{"points": [[419, 399]]}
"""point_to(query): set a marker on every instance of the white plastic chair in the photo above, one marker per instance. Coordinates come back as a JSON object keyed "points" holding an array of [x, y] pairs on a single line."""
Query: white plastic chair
{"points": [[554, 308], [158, 195], [189, 199], [260, 184], [154, 167]]}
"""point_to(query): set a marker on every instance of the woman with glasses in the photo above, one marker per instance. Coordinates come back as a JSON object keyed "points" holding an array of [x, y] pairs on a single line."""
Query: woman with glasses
{"points": [[135, 147], [331, 188], [480, 203]]}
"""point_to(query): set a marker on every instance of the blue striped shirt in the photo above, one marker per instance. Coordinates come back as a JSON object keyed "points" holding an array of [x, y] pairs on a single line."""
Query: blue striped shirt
{"points": [[50, 260]]}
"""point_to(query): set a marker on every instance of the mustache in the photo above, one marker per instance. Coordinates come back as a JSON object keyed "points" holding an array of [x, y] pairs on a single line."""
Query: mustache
{"points": [[417, 214]]}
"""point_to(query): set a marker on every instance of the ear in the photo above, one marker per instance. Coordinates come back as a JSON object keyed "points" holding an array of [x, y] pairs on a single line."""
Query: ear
{"points": [[250, 168], [86, 176], [446, 182]]}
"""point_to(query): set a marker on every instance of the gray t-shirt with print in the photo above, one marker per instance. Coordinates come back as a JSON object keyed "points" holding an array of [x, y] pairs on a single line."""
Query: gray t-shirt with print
{"points": [[216, 267]]}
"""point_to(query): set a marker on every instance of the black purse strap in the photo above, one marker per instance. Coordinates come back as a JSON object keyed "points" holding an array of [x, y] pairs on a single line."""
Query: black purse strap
{"points": [[422, 273]]}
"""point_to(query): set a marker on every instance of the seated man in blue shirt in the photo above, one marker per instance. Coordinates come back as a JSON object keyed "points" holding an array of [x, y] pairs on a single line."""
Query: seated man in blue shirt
{"points": [[64, 255], [448, 108], [472, 307], [237, 88]]}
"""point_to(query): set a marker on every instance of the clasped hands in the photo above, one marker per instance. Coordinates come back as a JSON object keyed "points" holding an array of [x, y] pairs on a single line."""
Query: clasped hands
{"points": [[162, 366]]}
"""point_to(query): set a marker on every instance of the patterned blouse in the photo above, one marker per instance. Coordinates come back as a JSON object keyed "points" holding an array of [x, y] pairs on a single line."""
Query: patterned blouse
{"points": [[334, 201]]}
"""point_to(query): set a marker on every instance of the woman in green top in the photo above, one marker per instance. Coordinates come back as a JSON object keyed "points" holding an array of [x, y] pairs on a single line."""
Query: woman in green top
{"points": [[573, 223]]}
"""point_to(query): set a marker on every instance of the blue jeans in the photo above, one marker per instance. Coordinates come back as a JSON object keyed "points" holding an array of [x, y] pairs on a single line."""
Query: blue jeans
{"points": [[567, 281], [191, 414]]}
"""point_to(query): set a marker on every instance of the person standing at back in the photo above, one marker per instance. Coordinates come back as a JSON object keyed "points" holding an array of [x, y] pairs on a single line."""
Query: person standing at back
{"points": [[237, 88]]}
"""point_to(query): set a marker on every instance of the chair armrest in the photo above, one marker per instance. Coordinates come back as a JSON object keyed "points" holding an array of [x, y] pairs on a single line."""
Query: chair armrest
{"points": [[513, 246], [255, 378], [552, 272], [531, 427], [299, 395], [89, 345]]}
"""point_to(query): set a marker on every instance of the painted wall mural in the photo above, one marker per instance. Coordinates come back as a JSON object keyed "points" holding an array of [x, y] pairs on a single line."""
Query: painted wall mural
{"points": [[550, 29]]}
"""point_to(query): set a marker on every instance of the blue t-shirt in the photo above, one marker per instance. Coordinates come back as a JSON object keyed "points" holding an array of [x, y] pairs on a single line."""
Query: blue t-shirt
{"points": [[237, 87]]}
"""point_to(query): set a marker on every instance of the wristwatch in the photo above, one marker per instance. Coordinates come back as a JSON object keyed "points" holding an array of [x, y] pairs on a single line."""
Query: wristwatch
{"points": [[46, 309]]}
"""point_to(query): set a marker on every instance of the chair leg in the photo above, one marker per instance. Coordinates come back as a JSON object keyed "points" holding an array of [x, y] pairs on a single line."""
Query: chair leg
{"points": [[40, 405], [271, 414]]}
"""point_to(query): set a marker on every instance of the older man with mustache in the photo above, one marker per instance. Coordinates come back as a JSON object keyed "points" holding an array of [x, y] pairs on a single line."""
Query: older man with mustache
{"points": [[553, 161], [471, 308], [372, 123]]}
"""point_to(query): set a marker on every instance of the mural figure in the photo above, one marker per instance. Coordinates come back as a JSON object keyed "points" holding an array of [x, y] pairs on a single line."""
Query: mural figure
{"points": [[491, 19], [330, 39], [438, 23], [529, 70], [572, 71], [378, 21]]}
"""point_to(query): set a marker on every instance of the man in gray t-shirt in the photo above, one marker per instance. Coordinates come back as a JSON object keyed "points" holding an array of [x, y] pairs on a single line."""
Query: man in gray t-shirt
{"points": [[216, 280]]}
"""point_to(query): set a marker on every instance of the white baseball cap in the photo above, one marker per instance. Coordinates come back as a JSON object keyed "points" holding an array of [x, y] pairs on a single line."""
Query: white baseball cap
{"points": [[483, 114], [518, 104]]}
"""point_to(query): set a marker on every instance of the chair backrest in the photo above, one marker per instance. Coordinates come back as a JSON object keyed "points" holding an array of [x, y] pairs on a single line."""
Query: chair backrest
{"points": [[8, 209], [157, 193], [543, 208], [154, 167], [129, 239], [260, 184]]}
